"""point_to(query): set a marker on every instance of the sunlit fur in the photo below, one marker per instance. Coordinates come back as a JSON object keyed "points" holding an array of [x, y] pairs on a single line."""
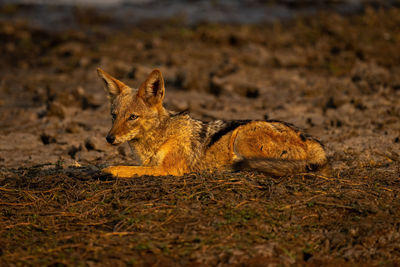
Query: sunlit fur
{"points": [[169, 143]]}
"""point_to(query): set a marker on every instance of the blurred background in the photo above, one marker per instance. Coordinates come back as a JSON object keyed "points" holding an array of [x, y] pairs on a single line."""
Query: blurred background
{"points": [[59, 14]]}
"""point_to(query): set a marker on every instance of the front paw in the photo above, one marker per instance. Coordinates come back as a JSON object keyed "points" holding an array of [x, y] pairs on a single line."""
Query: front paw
{"points": [[110, 170], [117, 171]]}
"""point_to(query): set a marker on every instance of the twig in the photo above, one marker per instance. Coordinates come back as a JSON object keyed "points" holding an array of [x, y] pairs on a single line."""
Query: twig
{"points": [[21, 224], [118, 234], [61, 213], [6, 189], [93, 223], [241, 204], [334, 205], [16, 204], [15, 190]]}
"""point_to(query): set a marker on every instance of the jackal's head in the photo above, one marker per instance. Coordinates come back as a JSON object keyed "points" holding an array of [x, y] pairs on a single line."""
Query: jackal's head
{"points": [[134, 111]]}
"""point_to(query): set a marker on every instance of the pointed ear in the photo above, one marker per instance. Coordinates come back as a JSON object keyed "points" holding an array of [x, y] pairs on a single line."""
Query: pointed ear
{"points": [[152, 91], [113, 86]]}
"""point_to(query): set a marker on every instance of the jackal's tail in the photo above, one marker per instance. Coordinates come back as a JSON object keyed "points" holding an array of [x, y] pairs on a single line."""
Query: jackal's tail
{"points": [[281, 167]]}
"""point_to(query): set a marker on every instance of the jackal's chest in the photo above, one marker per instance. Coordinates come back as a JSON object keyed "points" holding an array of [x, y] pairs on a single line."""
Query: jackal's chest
{"points": [[142, 155]]}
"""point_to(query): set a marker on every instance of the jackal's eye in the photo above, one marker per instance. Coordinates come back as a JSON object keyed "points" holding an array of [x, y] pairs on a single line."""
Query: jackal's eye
{"points": [[113, 116], [132, 117]]}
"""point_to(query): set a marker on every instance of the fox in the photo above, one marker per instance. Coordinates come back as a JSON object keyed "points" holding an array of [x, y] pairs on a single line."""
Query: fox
{"points": [[173, 143]]}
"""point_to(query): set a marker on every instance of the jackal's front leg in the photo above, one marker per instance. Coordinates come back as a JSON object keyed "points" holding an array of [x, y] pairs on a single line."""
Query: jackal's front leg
{"points": [[131, 171]]}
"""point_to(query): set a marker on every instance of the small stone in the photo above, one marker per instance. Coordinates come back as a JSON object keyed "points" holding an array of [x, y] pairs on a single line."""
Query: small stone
{"points": [[73, 127], [56, 109], [47, 139]]}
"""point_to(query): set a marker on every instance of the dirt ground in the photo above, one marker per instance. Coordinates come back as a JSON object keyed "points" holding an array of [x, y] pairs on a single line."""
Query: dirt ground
{"points": [[337, 77]]}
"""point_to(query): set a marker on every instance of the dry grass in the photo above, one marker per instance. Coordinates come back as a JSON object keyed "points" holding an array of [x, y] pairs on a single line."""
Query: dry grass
{"points": [[65, 216]]}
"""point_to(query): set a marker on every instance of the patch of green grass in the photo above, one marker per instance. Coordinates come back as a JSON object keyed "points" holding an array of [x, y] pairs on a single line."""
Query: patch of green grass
{"points": [[143, 246], [311, 204], [239, 216], [131, 262]]}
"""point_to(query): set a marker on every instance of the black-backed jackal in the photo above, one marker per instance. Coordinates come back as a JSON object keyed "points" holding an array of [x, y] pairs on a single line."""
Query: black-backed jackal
{"points": [[170, 143]]}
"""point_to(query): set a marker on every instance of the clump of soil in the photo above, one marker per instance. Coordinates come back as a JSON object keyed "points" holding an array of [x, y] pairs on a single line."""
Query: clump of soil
{"points": [[337, 77]]}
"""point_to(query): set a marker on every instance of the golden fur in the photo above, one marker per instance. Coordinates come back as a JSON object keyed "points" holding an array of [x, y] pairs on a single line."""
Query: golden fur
{"points": [[169, 143]]}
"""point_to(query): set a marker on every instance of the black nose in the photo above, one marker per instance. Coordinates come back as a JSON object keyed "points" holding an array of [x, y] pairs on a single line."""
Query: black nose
{"points": [[110, 138]]}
